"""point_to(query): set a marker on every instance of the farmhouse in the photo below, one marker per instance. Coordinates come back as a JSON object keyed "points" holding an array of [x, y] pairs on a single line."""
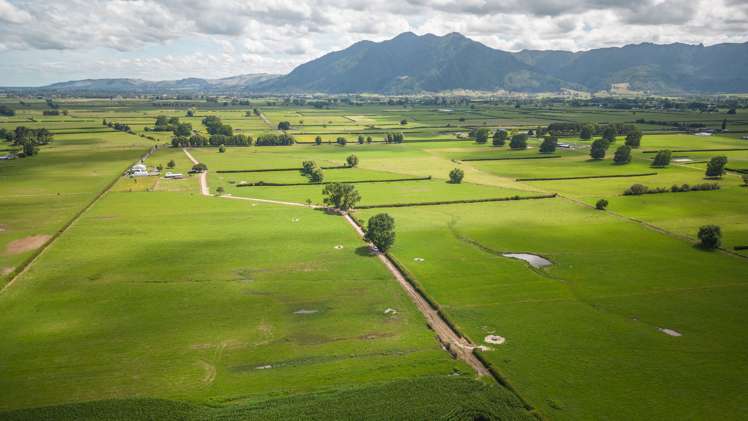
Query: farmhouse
{"points": [[138, 170]]}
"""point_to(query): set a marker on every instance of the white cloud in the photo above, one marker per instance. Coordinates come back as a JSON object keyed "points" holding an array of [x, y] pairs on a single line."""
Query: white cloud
{"points": [[173, 38]]}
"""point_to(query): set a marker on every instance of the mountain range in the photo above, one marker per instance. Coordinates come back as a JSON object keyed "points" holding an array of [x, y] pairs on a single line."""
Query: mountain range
{"points": [[410, 63]]}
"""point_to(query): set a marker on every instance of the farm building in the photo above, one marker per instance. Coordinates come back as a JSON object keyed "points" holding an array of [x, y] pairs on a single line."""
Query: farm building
{"points": [[138, 170]]}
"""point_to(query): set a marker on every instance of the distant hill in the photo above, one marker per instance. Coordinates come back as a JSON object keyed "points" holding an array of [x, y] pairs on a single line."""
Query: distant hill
{"points": [[676, 68], [410, 63], [227, 85]]}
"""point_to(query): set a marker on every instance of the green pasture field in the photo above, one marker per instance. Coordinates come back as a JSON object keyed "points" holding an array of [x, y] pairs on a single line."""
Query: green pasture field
{"points": [[204, 300], [582, 339], [39, 195], [177, 306]]}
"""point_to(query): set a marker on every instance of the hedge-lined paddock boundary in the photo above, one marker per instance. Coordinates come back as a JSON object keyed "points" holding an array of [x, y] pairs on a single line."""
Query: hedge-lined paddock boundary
{"points": [[583, 177], [455, 202], [508, 158], [26, 263], [737, 170], [339, 167], [392, 180], [702, 150], [740, 248]]}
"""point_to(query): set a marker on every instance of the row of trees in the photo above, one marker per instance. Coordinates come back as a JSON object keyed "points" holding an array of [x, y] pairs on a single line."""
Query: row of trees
{"points": [[198, 140], [172, 124], [272, 139]]}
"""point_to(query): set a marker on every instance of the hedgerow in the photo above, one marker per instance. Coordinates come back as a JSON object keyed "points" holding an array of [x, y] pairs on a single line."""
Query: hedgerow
{"points": [[454, 202], [586, 177], [639, 189]]}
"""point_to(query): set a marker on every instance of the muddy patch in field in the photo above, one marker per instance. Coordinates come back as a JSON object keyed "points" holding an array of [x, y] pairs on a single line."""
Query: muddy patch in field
{"points": [[532, 259], [23, 245], [3, 227]]}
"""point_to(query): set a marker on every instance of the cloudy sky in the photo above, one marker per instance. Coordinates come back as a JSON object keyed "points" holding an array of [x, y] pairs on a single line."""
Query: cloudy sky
{"points": [[49, 41]]}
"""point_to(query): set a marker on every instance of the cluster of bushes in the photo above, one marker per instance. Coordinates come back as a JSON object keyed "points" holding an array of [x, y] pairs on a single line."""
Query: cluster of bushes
{"points": [[284, 125], [639, 189], [172, 124], [197, 141], [662, 159], [272, 139], [122, 127], [518, 141], [216, 126], [394, 138], [7, 111], [549, 144], [28, 139], [313, 171], [54, 112], [716, 166], [587, 130]]}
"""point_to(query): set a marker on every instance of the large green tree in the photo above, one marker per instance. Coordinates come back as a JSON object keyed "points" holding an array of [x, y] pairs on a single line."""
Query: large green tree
{"points": [[622, 155], [340, 196], [598, 149], [716, 166], [380, 231]]}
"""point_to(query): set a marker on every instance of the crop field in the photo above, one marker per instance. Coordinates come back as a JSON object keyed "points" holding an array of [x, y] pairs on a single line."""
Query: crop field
{"points": [[253, 302]]}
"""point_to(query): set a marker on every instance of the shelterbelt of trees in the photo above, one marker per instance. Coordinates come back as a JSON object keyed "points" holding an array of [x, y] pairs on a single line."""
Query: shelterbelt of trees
{"points": [[28, 139]]}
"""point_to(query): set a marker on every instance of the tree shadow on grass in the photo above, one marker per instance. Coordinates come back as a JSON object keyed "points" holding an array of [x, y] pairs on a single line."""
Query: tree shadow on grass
{"points": [[365, 251]]}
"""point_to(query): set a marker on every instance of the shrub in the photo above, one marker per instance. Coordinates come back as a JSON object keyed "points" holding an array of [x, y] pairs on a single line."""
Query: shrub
{"points": [[200, 167], [221, 149], [171, 164], [318, 140], [636, 190], [519, 141], [307, 167], [481, 135], [499, 137], [710, 237], [609, 134], [601, 204], [662, 159], [634, 137], [316, 175], [716, 166], [220, 190], [622, 155], [549, 144], [380, 231], [586, 132], [368, 139], [360, 139], [403, 122], [284, 125], [341, 141], [598, 148], [352, 160], [456, 176]]}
